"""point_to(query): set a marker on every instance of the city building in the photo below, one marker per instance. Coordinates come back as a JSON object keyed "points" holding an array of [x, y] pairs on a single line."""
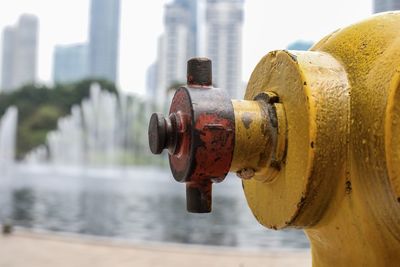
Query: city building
{"points": [[19, 55], [210, 28], [224, 20], [191, 7], [386, 5], [70, 63], [300, 45], [104, 39], [176, 45], [7, 77], [151, 80]]}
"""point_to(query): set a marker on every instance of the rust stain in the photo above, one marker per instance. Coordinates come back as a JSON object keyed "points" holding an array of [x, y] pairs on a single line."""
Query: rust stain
{"points": [[247, 118], [348, 187]]}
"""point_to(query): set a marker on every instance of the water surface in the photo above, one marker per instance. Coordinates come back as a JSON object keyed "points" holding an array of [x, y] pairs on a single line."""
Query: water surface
{"points": [[133, 204]]}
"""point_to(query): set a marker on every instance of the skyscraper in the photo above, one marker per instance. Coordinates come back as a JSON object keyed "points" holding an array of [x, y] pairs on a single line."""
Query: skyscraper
{"points": [[300, 45], [104, 39], [70, 63], [386, 5], [224, 20], [177, 44], [7, 76], [191, 7], [19, 61], [183, 38], [151, 80]]}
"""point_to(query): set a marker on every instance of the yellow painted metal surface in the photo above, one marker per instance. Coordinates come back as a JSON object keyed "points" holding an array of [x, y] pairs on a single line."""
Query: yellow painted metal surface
{"points": [[340, 180], [249, 120], [254, 141], [392, 132], [313, 88]]}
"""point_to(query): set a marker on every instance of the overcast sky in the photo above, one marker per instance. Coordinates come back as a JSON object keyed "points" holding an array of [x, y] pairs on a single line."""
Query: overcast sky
{"points": [[269, 25]]}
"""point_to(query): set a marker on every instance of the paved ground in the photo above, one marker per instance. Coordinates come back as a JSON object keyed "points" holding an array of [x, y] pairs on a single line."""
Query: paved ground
{"points": [[47, 250]]}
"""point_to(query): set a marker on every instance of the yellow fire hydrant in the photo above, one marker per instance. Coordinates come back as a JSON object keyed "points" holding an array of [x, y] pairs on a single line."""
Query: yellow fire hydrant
{"points": [[316, 142]]}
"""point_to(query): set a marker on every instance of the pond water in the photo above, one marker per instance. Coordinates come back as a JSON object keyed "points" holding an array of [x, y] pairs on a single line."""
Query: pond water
{"points": [[133, 204]]}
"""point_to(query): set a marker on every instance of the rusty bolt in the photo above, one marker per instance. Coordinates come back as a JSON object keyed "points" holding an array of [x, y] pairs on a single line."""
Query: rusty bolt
{"points": [[162, 133], [199, 72], [246, 173]]}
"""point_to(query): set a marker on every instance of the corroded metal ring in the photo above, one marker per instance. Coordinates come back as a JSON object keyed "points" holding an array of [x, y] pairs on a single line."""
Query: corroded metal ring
{"points": [[206, 140]]}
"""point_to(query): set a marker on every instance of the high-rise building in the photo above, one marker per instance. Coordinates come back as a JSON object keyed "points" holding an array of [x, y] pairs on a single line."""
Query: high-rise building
{"points": [[19, 55], [188, 29], [70, 63], [176, 45], [191, 7], [160, 79], [386, 5], [224, 20], [104, 39], [300, 45], [7, 77], [151, 80]]}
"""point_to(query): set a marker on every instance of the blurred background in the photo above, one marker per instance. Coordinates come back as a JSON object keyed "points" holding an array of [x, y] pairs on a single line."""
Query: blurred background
{"points": [[79, 80]]}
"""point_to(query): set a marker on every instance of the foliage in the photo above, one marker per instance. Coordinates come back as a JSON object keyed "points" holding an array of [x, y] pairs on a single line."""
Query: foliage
{"points": [[39, 108]]}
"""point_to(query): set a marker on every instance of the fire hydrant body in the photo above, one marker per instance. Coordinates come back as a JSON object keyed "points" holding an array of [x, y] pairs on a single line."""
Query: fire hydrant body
{"points": [[317, 143], [340, 180]]}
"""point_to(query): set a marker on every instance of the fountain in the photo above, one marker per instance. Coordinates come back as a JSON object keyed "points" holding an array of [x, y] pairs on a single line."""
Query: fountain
{"points": [[105, 130], [8, 130]]}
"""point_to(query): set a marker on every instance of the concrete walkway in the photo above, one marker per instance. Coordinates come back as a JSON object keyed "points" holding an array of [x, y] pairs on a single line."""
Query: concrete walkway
{"points": [[49, 250]]}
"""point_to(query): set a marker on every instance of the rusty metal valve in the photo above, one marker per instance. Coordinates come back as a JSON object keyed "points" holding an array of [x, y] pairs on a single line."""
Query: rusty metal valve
{"points": [[199, 134]]}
